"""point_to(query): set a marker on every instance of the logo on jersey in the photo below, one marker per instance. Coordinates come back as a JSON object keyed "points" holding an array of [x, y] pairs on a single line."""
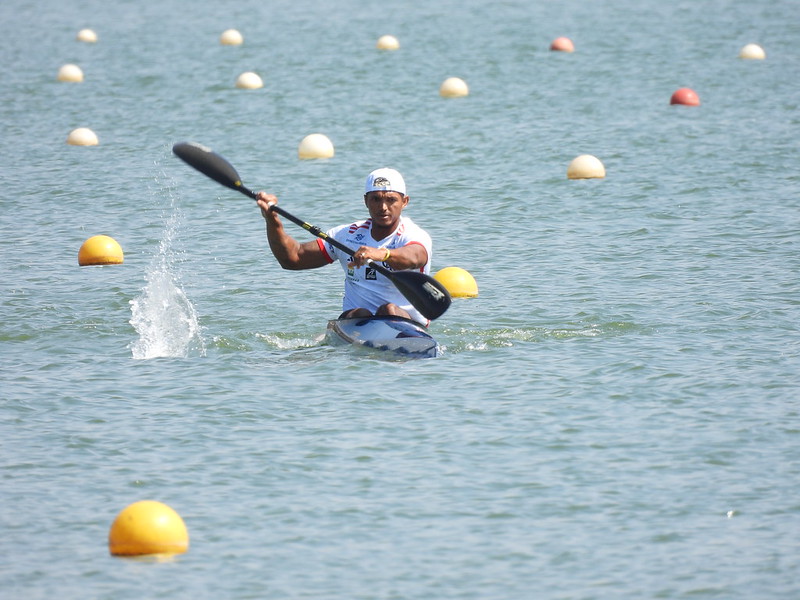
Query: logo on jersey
{"points": [[371, 275]]}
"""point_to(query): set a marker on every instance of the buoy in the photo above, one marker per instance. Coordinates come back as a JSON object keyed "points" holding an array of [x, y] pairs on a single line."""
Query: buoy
{"points": [[249, 81], [315, 145], [562, 44], [87, 35], [147, 527], [752, 52], [586, 166], [453, 87], [231, 37], [70, 73], [458, 282], [387, 42], [100, 250], [685, 96], [82, 136]]}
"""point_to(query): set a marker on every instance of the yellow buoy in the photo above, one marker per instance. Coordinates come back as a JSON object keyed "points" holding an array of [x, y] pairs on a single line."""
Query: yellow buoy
{"points": [[87, 35], [586, 166], [752, 52], [315, 145], [387, 42], [82, 136], [147, 527], [70, 73], [231, 37], [249, 81], [453, 87], [458, 282], [100, 250]]}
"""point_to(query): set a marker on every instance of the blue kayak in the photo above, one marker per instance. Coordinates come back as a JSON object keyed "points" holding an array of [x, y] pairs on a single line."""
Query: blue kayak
{"points": [[396, 335]]}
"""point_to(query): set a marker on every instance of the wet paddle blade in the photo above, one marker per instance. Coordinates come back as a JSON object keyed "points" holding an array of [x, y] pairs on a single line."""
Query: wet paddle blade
{"points": [[424, 292], [211, 164]]}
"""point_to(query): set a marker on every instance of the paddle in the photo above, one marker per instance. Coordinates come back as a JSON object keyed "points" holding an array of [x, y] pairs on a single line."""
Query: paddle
{"points": [[426, 294]]}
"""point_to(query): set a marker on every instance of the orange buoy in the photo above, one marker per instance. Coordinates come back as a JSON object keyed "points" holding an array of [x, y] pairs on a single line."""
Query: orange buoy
{"points": [[685, 96], [562, 44]]}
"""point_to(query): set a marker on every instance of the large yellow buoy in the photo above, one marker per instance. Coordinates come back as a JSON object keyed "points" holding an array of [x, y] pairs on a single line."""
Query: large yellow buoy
{"points": [[453, 87], [82, 136], [231, 37], [315, 145], [71, 73], [100, 250], [752, 52], [249, 81], [458, 282], [586, 166], [86, 35], [147, 527], [387, 42]]}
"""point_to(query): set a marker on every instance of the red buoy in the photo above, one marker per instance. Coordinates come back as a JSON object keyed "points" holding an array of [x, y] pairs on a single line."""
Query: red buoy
{"points": [[685, 96]]}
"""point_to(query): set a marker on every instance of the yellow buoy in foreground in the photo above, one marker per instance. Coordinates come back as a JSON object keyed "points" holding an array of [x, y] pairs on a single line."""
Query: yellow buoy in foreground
{"points": [[231, 37], [315, 145], [458, 282], [453, 87], [387, 42], [70, 73], [586, 166], [100, 250], [87, 35], [82, 136], [147, 527], [249, 81], [752, 52]]}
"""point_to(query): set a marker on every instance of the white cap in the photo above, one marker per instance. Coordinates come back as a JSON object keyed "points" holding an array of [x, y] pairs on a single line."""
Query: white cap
{"points": [[387, 180]]}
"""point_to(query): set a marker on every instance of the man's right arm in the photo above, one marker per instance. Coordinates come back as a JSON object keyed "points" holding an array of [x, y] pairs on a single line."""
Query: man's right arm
{"points": [[290, 253]]}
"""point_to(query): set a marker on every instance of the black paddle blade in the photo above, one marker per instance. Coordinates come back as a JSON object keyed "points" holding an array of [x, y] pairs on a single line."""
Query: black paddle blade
{"points": [[425, 293], [211, 164]]}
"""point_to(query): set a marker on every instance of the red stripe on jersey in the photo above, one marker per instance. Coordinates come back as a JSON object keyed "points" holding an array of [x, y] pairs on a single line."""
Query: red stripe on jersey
{"points": [[355, 227], [321, 245]]}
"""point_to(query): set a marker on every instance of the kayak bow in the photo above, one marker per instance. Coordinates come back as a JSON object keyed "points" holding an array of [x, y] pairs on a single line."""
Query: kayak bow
{"points": [[397, 335]]}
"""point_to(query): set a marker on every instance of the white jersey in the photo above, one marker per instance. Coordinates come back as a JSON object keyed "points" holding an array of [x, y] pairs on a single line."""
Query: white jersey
{"points": [[365, 287]]}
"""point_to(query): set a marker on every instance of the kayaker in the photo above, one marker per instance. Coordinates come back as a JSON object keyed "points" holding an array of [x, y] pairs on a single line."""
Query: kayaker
{"points": [[386, 237]]}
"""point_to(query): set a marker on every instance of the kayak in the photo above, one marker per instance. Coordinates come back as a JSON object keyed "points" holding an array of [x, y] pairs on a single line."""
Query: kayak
{"points": [[396, 335]]}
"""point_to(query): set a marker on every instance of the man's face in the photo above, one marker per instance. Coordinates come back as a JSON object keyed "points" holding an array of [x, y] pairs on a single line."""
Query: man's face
{"points": [[385, 207]]}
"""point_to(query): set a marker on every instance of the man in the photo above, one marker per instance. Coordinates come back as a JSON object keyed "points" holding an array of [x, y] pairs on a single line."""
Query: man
{"points": [[386, 237]]}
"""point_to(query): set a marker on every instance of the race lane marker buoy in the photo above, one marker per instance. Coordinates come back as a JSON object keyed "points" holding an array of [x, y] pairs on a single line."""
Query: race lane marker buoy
{"points": [[71, 73], [100, 250], [458, 282], [82, 136], [87, 35], [453, 87], [686, 97], [752, 52], [315, 145], [387, 42], [231, 37], [147, 527], [249, 81], [562, 44], [586, 166]]}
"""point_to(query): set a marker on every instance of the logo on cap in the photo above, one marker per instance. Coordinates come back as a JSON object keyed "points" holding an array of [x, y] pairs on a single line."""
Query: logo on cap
{"points": [[381, 182]]}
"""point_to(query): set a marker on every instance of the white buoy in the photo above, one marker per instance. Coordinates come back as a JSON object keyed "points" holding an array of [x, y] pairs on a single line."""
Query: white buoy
{"points": [[82, 136], [586, 166], [70, 73], [387, 42], [87, 35], [453, 87], [752, 52], [249, 81], [231, 37], [315, 145]]}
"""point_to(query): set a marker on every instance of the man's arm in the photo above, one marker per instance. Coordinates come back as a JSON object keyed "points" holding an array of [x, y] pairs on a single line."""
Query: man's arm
{"points": [[290, 253]]}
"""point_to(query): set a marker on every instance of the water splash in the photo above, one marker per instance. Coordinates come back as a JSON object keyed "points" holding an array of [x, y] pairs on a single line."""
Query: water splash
{"points": [[163, 315]]}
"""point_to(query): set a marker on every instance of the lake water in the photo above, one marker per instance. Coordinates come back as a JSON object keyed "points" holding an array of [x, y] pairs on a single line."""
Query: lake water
{"points": [[615, 416]]}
